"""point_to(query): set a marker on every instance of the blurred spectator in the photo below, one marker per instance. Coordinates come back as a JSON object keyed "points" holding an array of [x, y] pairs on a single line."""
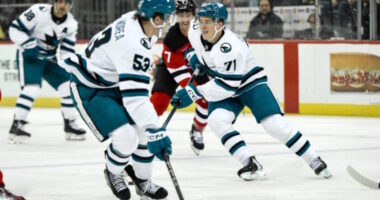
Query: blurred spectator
{"points": [[330, 14], [365, 19], [324, 33], [378, 19], [347, 16], [286, 2], [6, 17], [266, 25], [307, 2]]}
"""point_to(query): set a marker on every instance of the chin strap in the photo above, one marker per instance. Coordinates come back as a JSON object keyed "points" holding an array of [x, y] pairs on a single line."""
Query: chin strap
{"points": [[171, 20], [159, 27], [216, 31]]}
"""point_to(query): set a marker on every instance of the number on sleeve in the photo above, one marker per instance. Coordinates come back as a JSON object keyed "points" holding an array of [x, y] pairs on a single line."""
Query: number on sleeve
{"points": [[29, 15]]}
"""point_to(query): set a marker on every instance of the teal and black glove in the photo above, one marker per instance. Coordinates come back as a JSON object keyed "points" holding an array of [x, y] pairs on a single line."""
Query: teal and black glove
{"points": [[186, 96], [194, 62], [31, 49], [158, 141]]}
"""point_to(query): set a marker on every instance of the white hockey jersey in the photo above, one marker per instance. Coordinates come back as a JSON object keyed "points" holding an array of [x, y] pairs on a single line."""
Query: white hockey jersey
{"points": [[119, 56], [230, 61], [38, 26]]}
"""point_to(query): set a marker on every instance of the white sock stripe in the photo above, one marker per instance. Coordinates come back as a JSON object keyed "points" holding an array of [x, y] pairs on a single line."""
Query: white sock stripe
{"points": [[115, 168], [298, 145], [115, 157], [204, 111], [232, 141], [83, 112], [201, 120], [24, 102], [173, 70], [181, 77], [66, 101]]}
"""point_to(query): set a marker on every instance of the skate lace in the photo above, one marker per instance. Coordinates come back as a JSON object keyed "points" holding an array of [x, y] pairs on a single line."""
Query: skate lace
{"points": [[74, 125], [117, 182], [149, 187], [314, 164], [21, 125], [259, 166], [197, 137]]}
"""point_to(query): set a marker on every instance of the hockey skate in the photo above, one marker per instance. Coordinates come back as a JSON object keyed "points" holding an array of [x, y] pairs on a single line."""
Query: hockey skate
{"points": [[252, 171], [17, 135], [117, 184], [320, 168], [73, 131], [145, 188], [196, 138], [5, 194]]}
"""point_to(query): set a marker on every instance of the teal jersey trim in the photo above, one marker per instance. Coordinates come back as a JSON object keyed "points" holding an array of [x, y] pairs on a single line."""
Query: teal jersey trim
{"points": [[70, 42], [26, 30], [134, 92], [224, 85], [134, 77]]}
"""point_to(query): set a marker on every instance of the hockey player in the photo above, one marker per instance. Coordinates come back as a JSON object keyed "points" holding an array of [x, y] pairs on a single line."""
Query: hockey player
{"points": [[174, 71], [4, 193], [110, 84], [39, 32], [238, 82]]}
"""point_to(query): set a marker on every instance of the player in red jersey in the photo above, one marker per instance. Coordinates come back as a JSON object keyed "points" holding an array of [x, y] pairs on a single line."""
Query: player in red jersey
{"points": [[173, 71]]}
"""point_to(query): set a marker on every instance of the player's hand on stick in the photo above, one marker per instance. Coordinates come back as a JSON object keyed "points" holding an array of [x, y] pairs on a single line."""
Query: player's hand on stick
{"points": [[194, 62], [158, 142], [186, 96]]}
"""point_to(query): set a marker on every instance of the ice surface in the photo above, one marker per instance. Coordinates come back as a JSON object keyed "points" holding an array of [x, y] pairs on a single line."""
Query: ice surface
{"points": [[51, 168]]}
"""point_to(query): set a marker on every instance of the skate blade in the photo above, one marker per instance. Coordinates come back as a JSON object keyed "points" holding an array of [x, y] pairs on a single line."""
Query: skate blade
{"points": [[75, 137], [249, 176], [148, 198], [325, 174], [13, 139], [196, 151]]}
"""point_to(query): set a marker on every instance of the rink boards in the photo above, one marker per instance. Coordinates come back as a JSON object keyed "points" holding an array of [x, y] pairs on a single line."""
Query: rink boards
{"points": [[301, 74]]}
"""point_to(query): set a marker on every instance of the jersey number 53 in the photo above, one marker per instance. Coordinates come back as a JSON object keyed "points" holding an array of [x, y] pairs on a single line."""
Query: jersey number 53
{"points": [[141, 63]]}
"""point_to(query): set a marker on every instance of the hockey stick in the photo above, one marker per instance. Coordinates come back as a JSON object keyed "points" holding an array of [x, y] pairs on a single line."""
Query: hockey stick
{"points": [[166, 155], [361, 179], [172, 175], [195, 74]]}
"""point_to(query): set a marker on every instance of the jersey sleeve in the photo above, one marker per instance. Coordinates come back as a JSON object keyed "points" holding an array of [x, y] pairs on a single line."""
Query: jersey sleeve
{"points": [[133, 68], [175, 63], [68, 42], [20, 28], [228, 76]]}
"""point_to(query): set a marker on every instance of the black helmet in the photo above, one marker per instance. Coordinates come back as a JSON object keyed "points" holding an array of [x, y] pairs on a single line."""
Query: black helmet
{"points": [[184, 6]]}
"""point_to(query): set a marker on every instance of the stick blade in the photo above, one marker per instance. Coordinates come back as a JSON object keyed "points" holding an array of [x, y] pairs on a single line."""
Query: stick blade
{"points": [[361, 179]]}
